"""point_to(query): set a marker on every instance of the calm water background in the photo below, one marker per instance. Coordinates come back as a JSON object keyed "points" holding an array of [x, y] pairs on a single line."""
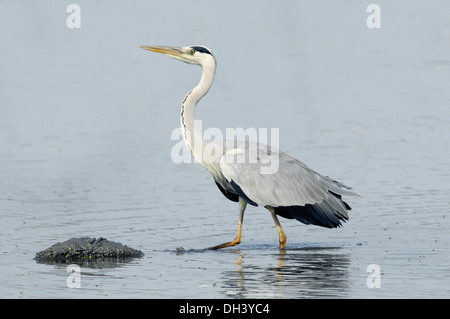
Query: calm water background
{"points": [[86, 119]]}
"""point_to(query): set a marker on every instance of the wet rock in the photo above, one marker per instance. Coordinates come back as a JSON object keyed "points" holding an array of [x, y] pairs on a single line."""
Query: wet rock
{"points": [[180, 250], [87, 250]]}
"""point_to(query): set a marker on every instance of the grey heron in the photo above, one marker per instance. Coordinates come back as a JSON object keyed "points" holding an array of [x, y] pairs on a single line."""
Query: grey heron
{"points": [[292, 191]]}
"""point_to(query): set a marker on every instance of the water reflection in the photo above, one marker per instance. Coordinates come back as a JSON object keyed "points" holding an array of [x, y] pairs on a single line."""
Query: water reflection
{"points": [[96, 263], [298, 273]]}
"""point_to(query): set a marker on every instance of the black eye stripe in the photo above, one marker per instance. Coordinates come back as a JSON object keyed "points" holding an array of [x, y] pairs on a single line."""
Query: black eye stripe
{"points": [[202, 49]]}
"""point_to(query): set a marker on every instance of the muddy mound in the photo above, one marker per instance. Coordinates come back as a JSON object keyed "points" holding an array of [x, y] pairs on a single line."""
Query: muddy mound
{"points": [[87, 249]]}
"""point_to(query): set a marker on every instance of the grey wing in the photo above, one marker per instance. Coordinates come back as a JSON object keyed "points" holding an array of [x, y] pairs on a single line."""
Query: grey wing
{"points": [[290, 187]]}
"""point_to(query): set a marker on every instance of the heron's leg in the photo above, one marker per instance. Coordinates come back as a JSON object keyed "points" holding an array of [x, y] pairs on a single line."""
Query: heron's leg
{"points": [[281, 233], [237, 240]]}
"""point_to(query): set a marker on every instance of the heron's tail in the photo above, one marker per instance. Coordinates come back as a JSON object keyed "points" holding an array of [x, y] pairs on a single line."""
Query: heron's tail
{"points": [[330, 212]]}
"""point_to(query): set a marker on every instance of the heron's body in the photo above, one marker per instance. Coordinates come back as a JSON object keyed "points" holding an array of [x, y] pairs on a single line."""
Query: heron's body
{"points": [[291, 191]]}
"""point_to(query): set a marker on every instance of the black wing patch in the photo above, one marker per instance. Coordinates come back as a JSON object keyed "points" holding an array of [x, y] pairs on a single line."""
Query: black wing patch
{"points": [[231, 196], [242, 194]]}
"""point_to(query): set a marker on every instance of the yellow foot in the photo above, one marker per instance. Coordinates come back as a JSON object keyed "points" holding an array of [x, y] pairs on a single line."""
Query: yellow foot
{"points": [[283, 240], [235, 242]]}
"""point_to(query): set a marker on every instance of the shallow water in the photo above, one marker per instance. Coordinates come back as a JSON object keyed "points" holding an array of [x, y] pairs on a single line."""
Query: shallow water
{"points": [[86, 149]]}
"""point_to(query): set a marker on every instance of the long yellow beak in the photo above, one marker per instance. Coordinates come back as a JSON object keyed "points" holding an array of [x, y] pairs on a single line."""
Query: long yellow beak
{"points": [[172, 51]]}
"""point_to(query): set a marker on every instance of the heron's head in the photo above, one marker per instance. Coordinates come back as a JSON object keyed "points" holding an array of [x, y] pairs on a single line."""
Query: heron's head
{"points": [[196, 54]]}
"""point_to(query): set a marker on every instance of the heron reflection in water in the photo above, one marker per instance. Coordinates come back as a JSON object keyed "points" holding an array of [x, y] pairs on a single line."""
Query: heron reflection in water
{"points": [[306, 271], [294, 191]]}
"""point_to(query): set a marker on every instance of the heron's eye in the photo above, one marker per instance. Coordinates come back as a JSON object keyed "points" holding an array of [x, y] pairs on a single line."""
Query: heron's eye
{"points": [[192, 52]]}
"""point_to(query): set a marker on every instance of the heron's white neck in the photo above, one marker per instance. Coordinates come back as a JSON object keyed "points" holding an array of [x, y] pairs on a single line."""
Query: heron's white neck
{"points": [[192, 137]]}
